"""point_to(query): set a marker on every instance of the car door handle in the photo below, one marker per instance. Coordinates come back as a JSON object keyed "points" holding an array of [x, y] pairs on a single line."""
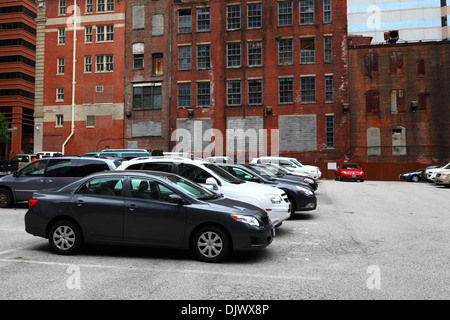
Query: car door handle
{"points": [[48, 181], [80, 203], [131, 207]]}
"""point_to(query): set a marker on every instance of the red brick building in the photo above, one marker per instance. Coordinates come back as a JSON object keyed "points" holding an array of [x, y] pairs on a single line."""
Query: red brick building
{"points": [[258, 65], [81, 111], [399, 106], [17, 69]]}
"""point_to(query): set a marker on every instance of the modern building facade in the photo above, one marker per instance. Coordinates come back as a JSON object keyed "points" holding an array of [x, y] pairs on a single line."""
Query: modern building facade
{"points": [[418, 20], [260, 77], [17, 73], [399, 106], [79, 103]]}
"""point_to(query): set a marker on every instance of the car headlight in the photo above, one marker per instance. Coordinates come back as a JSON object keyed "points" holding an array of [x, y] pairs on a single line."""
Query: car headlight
{"points": [[309, 180], [406, 174], [344, 172], [274, 198], [305, 191], [246, 219]]}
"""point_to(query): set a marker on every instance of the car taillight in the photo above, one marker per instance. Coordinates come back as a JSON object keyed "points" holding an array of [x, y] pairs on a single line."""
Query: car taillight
{"points": [[32, 202]]}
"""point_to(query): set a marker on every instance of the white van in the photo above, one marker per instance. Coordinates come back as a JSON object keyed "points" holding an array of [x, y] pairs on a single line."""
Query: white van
{"points": [[291, 164], [273, 200]]}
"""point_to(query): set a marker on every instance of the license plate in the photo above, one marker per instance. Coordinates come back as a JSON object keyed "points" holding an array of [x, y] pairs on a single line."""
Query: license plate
{"points": [[353, 176]]}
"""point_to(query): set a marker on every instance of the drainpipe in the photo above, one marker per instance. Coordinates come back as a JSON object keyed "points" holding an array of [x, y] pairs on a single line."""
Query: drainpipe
{"points": [[74, 61]]}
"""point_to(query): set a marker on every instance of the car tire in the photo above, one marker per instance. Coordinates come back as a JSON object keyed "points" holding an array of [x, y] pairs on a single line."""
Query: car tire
{"points": [[292, 206], [362, 180], [65, 237], [6, 198], [340, 178], [415, 178], [211, 244]]}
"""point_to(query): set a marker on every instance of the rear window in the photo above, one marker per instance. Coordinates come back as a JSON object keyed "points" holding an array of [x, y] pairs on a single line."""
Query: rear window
{"points": [[164, 167], [88, 166], [62, 168]]}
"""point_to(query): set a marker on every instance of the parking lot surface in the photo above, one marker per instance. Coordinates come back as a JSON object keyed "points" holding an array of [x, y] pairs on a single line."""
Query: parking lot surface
{"points": [[365, 240]]}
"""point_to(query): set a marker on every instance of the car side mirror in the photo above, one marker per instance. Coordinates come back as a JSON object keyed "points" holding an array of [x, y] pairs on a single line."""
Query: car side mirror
{"points": [[211, 182], [175, 198], [16, 173], [256, 179]]}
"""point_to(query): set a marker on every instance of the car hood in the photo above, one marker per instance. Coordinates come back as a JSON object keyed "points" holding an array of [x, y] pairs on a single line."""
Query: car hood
{"points": [[236, 207], [253, 187]]}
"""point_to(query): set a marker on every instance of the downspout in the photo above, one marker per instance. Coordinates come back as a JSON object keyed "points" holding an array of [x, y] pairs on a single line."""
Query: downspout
{"points": [[74, 61]]}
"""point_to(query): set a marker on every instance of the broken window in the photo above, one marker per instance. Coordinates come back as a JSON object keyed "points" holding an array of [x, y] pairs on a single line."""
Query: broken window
{"points": [[371, 65], [397, 101], [372, 101], [396, 64], [307, 50]]}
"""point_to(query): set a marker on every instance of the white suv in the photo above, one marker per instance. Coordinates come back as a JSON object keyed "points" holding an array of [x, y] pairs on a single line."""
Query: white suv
{"points": [[273, 200], [292, 164], [430, 174]]}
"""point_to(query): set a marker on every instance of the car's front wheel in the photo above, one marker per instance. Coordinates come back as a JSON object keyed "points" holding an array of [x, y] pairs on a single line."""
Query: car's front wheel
{"points": [[415, 178], [65, 237], [211, 244]]}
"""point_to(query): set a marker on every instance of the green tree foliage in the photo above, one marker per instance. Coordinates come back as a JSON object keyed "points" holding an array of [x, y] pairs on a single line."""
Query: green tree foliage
{"points": [[5, 135]]}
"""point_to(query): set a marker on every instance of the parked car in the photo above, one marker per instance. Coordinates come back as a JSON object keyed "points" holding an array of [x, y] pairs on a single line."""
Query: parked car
{"points": [[143, 208], [272, 200], [291, 164], [443, 178], [48, 173], [42, 154], [300, 194], [283, 173], [348, 170], [414, 176], [23, 159], [119, 153], [430, 174]]}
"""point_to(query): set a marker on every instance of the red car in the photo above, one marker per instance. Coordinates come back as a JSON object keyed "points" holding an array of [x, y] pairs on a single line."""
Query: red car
{"points": [[348, 170]]}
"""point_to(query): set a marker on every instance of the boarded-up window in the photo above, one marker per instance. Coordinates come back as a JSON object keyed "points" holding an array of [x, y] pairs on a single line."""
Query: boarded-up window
{"points": [[421, 67], [422, 101], [157, 64], [371, 65], [372, 101], [397, 101], [396, 63]]}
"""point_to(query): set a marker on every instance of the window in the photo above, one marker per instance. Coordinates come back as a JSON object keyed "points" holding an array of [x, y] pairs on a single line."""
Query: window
{"points": [[285, 51], [149, 189], [233, 17], [254, 53], [285, 90], [203, 19], [104, 63], [90, 121], [147, 96], [396, 63], [184, 94], [329, 91], [35, 170], [371, 65], [105, 5], [307, 50], [59, 94], [254, 14], [203, 56], [60, 69], [255, 91], [184, 21], [372, 101], [184, 57], [61, 7], [203, 93], [308, 89], [164, 167], [328, 49], [422, 100], [107, 186], [306, 11], [157, 59], [327, 15], [329, 131], [87, 64], [421, 67], [285, 13], [234, 54], [193, 173], [233, 92], [88, 34], [397, 101], [105, 33], [138, 55], [59, 120], [88, 166], [89, 6], [61, 36]]}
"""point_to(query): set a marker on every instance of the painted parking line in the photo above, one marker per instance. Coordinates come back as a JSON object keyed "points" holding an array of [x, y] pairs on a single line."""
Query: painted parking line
{"points": [[187, 271]]}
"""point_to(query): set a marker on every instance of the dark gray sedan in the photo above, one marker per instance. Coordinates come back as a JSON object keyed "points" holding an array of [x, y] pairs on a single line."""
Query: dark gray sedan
{"points": [[146, 208]]}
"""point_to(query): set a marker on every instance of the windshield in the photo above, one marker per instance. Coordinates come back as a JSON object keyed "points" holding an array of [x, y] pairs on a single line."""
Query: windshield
{"points": [[222, 174], [266, 174], [350, 166], [296, 162], [193, 189]]}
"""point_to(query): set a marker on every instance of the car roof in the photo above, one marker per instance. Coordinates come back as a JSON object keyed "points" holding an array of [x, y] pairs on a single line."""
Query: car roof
{"points": [[135, 173], [169, 158]]}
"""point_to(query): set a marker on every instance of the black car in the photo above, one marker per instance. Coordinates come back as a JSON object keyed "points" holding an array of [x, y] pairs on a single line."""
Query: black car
{"points": [[49, 173], [284, 174], [416, 175], [300, 195], [146, 208]]}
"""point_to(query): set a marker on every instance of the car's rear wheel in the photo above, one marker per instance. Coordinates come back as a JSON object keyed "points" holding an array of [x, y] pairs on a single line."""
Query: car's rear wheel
{"points": [[65, 237], [6, 198], [211, 244]]}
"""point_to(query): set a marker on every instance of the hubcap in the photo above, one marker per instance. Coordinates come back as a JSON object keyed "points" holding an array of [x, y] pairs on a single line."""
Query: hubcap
{"points": [[210, 244], [64, 238]]}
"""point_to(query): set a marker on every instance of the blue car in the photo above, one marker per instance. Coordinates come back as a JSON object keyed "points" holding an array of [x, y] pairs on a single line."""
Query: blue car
{"points": [[416, 175]]}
